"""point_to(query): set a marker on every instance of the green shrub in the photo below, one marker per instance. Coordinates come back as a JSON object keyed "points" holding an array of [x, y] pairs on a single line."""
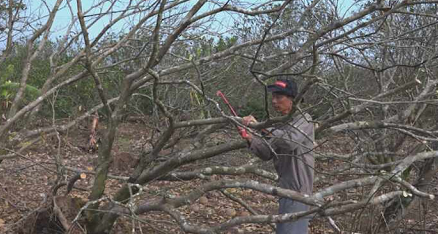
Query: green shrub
{"points": [[255, 108], [9, 89]]}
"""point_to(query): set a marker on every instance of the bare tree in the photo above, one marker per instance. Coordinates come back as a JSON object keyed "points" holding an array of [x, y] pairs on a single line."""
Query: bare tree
{"points": [[367, 73]]}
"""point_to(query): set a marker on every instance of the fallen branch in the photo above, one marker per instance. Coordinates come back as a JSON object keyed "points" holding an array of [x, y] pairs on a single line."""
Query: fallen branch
{"points": [[217, 170], [242, 203], [61, 217]]}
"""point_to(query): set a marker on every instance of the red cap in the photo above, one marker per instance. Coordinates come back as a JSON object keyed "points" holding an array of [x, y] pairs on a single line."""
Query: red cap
{"points": [[280, 83]]}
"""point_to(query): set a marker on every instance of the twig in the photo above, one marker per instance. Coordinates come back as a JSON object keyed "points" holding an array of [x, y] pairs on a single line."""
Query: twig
{"points": [[242, 203]]}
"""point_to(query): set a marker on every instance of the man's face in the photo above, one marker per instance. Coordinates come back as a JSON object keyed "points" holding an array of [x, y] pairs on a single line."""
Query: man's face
{"points": [[282, 103]]}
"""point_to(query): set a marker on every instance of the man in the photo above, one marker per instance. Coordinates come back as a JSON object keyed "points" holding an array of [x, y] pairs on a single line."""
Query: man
{"points": [[290, 147]]}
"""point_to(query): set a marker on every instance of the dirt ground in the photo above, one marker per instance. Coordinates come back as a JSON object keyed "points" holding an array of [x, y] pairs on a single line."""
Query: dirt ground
{"points": [[27, 180]]}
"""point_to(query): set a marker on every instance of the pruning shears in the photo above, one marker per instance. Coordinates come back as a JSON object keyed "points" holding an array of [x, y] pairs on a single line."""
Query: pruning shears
{"points": [[243, 133]]}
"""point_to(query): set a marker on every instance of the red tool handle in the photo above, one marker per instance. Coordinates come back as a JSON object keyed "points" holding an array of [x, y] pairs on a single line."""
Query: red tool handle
{"points": [[220, 94], [243, 133], [241, 130]]}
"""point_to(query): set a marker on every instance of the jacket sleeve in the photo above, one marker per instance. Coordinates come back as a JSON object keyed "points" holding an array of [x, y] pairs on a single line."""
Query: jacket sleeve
{"points": [[285, 139], [261, 149]]}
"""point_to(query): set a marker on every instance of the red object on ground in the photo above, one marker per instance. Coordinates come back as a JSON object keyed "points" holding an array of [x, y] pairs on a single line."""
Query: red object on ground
{"points": [[243, 133]]}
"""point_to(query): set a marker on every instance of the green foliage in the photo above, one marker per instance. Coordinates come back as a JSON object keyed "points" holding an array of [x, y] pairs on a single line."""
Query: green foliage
{"points": [[254, 107], [66, 99], [225, 43], [13, 66], [40, 71], [9, 89], [11, 69], [7, 72], [207, 46]]}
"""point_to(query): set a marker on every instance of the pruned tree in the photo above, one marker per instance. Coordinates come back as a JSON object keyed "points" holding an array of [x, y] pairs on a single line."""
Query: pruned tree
{"points": [[367, 73]]}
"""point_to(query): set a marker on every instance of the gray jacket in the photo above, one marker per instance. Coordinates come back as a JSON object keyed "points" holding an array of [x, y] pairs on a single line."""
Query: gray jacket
{"points": [[291, 148]]}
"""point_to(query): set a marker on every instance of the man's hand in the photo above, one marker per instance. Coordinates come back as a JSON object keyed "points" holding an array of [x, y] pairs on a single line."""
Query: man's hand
{"points": [[247, 120]]}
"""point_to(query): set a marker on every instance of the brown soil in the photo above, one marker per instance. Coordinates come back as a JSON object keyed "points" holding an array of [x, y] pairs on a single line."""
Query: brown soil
{"points": [[26, 182]]}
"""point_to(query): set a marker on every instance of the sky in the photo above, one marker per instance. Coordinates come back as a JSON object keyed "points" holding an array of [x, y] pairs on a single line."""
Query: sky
{"points": [[64, 17]]}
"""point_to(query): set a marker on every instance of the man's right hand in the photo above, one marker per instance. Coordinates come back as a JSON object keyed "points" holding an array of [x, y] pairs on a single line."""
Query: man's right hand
{"points": [[247, 120]]}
